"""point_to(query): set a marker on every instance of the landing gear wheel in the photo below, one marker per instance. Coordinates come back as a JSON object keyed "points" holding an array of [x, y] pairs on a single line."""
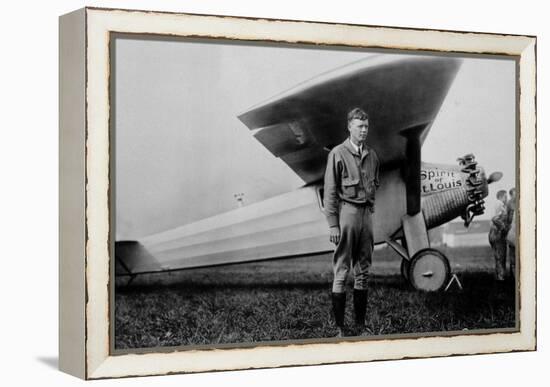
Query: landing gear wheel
{"points": [[405, 266], [405, 263], [429, 270]]}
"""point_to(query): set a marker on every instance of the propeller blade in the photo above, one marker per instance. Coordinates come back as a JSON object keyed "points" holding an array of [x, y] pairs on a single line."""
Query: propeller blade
{"points": [[493, 177]]}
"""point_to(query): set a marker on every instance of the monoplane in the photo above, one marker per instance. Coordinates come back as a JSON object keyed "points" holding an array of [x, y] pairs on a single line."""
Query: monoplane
{"points": [[402, 96]]}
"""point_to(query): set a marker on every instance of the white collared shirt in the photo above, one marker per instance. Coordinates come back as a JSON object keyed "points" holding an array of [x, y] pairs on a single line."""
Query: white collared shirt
{"points": [[357, 148], [500, 208]]}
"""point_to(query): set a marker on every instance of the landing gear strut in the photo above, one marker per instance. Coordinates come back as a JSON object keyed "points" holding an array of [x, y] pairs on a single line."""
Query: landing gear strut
{"points": [[427, 269]]}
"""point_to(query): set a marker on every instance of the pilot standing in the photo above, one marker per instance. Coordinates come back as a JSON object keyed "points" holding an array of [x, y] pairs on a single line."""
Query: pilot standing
{"points": [[511, 235], [497, 235], [351, 179]]}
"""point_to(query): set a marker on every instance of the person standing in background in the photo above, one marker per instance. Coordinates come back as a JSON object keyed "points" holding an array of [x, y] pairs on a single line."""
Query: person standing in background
{"points": [[511, 216], [497, 235]]}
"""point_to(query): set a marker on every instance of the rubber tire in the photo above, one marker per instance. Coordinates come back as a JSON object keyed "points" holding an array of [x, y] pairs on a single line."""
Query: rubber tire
{"points": [[405, 263], [405, 266], [427, 261]]}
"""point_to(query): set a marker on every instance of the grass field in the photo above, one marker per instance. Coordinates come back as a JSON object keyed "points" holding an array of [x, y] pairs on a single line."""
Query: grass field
{"points": [[290, 300]]}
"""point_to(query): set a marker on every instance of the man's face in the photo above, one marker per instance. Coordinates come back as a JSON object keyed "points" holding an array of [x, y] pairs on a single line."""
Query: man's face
{"points": [[503, 198], [358, 130]]}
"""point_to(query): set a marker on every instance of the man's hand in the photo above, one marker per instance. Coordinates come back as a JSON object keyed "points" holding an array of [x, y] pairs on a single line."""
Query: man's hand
{"points": [[335, 234]]}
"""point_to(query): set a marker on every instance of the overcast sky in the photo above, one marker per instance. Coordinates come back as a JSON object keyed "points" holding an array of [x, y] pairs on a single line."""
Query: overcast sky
{"points": [[182, 153]]}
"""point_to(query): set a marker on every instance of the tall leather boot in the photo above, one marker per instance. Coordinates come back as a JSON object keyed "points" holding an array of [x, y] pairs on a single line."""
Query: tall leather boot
{"points": [[360, 309], [339, 309]]}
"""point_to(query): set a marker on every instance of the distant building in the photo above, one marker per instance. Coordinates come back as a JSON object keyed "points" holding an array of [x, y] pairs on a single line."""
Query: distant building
{"points": [[436, 236], [454, 234]]}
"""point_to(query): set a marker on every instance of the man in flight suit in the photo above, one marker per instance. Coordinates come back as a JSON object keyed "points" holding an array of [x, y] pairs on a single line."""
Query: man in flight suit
{"points": [[511, 219], [351, 179], [497, 235]]}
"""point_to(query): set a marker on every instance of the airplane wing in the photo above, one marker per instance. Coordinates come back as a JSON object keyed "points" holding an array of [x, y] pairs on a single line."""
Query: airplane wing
{"points": [[399, 93], [402, 96]]}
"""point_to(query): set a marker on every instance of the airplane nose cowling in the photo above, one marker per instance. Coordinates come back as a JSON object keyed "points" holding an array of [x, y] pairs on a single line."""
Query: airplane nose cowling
{"points": [[450, 191], [442, 207]]}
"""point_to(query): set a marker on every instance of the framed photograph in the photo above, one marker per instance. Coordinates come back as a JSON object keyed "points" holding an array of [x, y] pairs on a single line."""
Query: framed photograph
{"points": [[242, 193]]}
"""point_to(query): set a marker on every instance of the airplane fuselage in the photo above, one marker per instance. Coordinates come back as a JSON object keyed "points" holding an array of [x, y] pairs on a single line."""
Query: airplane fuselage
{"points": [[293, 224]]}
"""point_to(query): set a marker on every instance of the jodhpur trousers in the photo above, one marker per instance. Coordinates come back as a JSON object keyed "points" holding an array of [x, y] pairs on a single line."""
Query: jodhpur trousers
{"points": [[512, 259], [498, 244], [354, 249]]}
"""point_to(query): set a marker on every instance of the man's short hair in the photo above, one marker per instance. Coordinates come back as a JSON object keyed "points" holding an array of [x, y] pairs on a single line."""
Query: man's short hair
{"points": [[501, 193], [357, 113], [512, 191]]}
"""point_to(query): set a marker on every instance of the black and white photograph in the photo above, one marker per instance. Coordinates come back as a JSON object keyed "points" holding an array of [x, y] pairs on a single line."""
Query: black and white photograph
{"points": [[269, 193], [242, 193]]}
